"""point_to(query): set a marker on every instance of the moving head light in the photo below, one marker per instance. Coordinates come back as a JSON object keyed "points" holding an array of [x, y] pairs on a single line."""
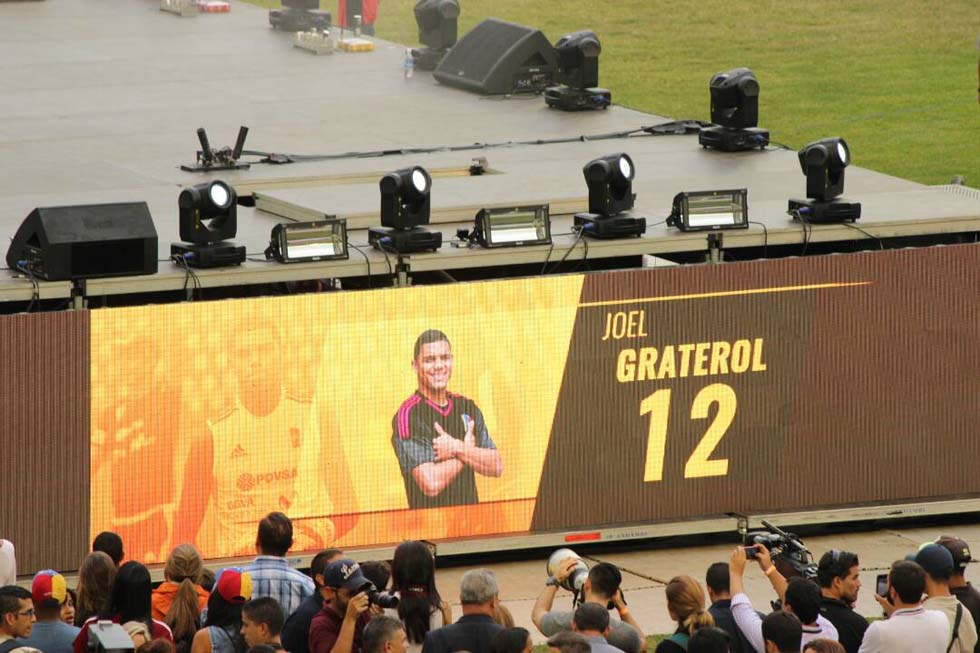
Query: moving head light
{"points": [[823, 162], [578, 74], [735, 113]]}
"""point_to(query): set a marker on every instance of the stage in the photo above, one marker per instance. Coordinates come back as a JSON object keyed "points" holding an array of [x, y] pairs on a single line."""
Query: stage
{"points": [[102, 102]]}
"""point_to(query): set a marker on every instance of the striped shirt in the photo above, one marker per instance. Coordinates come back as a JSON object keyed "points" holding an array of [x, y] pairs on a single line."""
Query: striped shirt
{"points": [[272, 576]]}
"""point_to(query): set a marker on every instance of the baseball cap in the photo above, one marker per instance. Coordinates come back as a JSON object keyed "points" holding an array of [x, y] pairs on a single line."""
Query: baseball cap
{"points": [[234, 585], [959, 549], [344, 573], [49, 588], [936, 560]]}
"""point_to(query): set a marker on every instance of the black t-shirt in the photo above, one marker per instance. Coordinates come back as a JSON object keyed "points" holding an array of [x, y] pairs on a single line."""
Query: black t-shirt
{"points": [[849, 624], [970, 598], [413, 430]]}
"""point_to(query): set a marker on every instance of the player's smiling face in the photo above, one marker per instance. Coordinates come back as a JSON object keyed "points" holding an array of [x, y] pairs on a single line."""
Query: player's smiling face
{"points": [[434, 366]]}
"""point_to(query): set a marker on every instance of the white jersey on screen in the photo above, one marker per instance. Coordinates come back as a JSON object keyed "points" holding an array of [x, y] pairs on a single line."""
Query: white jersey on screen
{"points": [[266, 464]]}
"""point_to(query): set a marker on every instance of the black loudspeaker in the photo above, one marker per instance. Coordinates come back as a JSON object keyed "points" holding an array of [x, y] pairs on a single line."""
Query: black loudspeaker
{"points": [[498, 58], [86, 242]]}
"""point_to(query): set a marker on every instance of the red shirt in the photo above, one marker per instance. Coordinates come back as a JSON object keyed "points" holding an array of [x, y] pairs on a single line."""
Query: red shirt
{"points": [[325, 629], [80, 644]]}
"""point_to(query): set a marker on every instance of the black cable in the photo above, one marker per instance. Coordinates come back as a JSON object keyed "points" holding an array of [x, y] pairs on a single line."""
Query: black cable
{"points": [[391, 272], [366, 259], [575, 242], [551, 248], [881, 244], [806, 226], [35, 287], [765, 241]]}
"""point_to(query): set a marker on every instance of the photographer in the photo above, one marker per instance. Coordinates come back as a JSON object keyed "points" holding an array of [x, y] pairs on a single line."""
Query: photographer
{"points": [[602, 587], [339, 626]]}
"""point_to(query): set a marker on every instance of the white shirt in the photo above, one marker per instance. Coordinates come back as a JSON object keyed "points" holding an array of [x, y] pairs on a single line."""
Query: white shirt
{"points": [[750, 623], [968, 630], [909, 630], [8, 563]]}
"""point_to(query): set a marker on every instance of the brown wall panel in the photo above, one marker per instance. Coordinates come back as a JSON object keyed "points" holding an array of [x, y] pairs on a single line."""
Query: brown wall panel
{"points": [[44, 404]]}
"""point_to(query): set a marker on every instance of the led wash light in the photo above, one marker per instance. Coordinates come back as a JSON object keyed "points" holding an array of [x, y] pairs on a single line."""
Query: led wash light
{"points": [[295, 242], [578, 74], [710, 210], [734, 113], [610, 182], [405, 205], [208, 218], [513, 227]]}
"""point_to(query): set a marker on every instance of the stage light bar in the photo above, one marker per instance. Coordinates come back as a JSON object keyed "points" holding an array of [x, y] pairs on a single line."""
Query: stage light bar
{"points": [[513, 227], [710, 210], [297, 242]]}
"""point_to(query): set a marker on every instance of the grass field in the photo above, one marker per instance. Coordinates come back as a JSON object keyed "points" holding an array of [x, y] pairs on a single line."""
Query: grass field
{"points": [[896, 78]]}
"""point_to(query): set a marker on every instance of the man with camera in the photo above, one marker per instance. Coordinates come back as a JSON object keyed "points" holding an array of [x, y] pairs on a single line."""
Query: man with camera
{"points": [[601, 586], [339, 626]]}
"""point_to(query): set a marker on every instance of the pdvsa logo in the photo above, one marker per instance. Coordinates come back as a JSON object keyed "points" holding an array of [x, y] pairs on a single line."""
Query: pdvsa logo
{"points": [[248, 481]]}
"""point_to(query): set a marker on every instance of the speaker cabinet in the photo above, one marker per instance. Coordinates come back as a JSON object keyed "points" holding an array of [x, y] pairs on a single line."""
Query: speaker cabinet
{"points": [[86, 242], [498, 58]]}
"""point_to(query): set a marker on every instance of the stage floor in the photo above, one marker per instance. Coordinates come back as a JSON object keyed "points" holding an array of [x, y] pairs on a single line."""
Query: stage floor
{"points": [[101, 102]]}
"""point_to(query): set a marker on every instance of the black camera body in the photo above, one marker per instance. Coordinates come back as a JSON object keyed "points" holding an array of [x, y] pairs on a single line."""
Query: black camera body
{"points": [[381, 599], [789, 554]]}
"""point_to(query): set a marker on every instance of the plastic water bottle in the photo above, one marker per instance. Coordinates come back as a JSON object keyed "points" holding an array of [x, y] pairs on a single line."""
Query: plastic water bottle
{"points": [[409, 63]]}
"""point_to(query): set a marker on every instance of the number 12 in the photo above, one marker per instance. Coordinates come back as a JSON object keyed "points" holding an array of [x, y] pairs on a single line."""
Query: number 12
{"points": [[698, 465]]}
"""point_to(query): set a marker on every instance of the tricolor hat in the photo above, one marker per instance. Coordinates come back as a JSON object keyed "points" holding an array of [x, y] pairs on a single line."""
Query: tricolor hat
{"points": [[49, 588], [234, 584]]}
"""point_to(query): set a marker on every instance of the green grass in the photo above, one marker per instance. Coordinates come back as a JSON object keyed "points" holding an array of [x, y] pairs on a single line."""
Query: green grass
{"points": [[896, 78]]}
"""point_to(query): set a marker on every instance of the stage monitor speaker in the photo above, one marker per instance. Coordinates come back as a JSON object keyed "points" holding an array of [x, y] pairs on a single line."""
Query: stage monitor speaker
{"points": [[498, 58], [86, 242]]}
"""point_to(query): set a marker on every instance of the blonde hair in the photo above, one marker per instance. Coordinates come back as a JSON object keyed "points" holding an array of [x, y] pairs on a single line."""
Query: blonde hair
{"points": [[685, 600], [184, 567], [137, 629], [96, 576]]}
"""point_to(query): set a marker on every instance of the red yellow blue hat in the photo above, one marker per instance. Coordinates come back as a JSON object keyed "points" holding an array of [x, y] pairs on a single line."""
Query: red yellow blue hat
{"points": [[234, 584], [49, 587]]}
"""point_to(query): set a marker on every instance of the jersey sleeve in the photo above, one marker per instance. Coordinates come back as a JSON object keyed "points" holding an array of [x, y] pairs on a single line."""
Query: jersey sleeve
{"points": [[413, 450], [480, 430]]}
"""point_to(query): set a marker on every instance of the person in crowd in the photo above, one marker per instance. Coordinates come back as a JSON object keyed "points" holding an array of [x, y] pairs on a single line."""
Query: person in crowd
{"points": [[271, 574], [110, 544], [821, 645], [512, 640], [782, 632], [473, 632], [839, 577], [8, 563], [719, 594], [339, 626], [502, 616], [385, 635], [602, 587], [50, 634], [221, 631], [420, 608], [129, 601], [296, 630], [16, 619], [379, 573], [937, 562], [96, 576], [799, 596], [958, 585], [179, 600], [207, 580], [910, 628], [591, 620], [158, 645], [568, 641], [710, 640], [68, 607], [685, 604], [262, 623]]}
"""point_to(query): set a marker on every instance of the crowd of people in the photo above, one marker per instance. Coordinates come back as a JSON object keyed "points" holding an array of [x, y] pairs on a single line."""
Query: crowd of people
{"points": [[380, 607]]}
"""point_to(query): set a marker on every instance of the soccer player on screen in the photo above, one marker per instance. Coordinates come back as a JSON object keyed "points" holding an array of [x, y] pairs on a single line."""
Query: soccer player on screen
{"points": [[440, 437]]}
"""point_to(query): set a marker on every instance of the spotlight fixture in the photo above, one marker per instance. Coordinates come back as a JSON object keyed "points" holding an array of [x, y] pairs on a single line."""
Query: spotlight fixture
{"points": [[578, 74], [210, 160], [735, 113], [823, 163], [610, 182], [300, 16], [710, 210], [404, 206], [208, 218], [513, 227], [296, 242], [437, 21]]}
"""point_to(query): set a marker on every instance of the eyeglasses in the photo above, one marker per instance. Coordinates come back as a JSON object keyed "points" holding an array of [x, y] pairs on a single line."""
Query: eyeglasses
{"points": [[26, 613]]}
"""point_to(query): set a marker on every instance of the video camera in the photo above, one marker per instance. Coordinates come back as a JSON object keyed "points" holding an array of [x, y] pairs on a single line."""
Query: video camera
{"points": [[382, 599], [789, 554]]}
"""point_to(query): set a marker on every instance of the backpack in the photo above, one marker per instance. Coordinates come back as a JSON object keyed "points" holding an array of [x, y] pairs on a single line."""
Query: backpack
{"points": [[681, 639]]}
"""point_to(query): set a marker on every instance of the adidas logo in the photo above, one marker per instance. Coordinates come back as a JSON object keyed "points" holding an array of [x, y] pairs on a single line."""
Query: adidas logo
{"points": [[237, 452]]}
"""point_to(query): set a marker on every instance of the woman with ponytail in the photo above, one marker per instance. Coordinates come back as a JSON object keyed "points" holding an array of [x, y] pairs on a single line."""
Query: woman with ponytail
{"points": [[179, 600], [685, 604], [413, 579]]}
